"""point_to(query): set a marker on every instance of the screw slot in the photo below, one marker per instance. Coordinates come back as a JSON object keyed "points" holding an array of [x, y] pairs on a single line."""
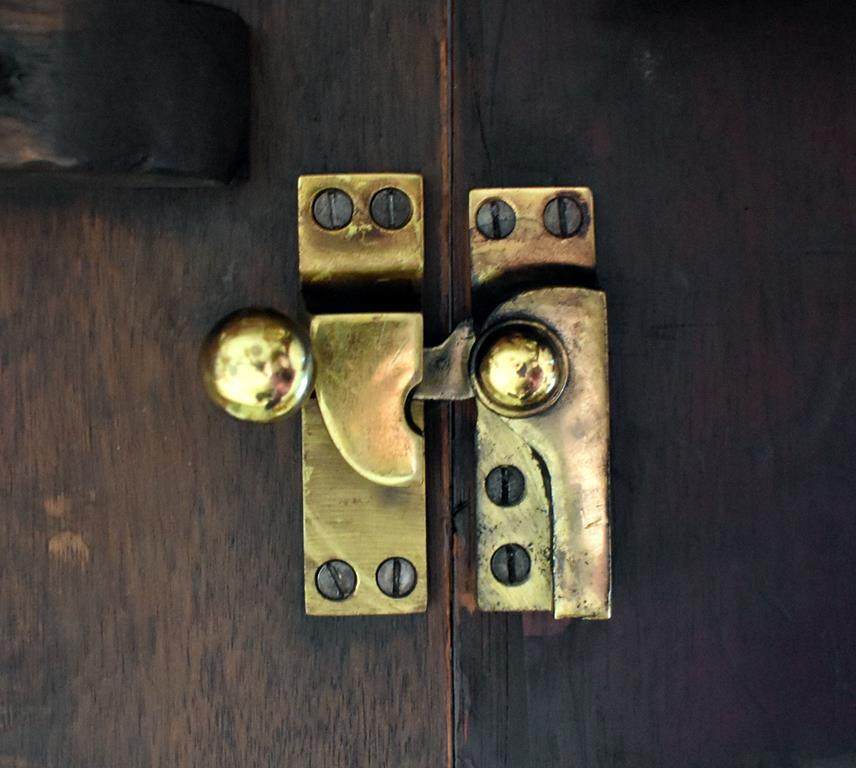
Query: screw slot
{"points": [[563, 216], [496, 219], [396, 577], [333, 209], [336, 580], [505, 486], [391, 208], [511, 565]]}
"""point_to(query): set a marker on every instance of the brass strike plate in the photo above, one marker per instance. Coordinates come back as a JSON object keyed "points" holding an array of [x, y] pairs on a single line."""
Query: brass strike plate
{"points": [[543, 541], [530, 250], [364, 527]]}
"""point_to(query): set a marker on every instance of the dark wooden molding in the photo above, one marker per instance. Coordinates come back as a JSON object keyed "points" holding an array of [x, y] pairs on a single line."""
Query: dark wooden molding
{"points": [[139, 93]]}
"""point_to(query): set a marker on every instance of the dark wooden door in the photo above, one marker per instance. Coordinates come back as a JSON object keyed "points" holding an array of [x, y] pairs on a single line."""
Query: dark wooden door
{"points": [[720, 141], [150, 548]]}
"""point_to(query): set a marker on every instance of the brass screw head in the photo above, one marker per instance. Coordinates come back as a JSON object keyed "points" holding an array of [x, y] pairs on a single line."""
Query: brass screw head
{"points": [[336, 580], [496, 219], [505, 486], [563, 216], [396, 577], [333, 209], [519, 369], [257, 366], [511, 565], [391, 208]]}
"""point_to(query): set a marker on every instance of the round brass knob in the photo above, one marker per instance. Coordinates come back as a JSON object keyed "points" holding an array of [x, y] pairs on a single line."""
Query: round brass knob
{"points": [[519, 368], [257, 366]]}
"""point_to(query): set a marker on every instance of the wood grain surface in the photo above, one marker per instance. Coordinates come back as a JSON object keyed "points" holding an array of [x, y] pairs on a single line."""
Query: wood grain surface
{"points": [[719, 141], [150, 548], [151, 580]]}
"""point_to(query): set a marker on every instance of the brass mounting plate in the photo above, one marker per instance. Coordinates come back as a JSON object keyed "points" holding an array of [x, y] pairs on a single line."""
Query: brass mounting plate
{"points": [[347, 517], [530, 247], [562, 520], [363, 460], [362, 253]]}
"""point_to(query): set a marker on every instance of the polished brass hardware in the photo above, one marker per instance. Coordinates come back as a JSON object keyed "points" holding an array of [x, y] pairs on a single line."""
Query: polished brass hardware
{"points": [[355, 252], [363, 451], [563, 454], [257, 366], [540, 372], [348, 517], [535, 361], [530, 249]]}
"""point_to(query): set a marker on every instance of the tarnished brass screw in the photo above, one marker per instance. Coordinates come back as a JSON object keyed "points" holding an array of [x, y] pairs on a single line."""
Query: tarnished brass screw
{"points": [[496, 219], [505, 486], [563, 216], [391, 208], [333, 209], [336, 580], [396, 577], [511, 564]]}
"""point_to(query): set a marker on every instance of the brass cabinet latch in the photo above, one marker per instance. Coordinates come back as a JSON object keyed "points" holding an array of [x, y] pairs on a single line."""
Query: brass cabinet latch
{"points": [[534, 358]]}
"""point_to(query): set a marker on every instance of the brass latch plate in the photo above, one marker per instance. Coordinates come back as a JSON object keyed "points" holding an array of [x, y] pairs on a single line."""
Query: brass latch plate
{"points": [[543, 541], [364, 527]]}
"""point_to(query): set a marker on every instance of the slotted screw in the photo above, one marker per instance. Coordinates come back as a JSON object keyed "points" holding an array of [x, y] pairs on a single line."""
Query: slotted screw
{"points": [[511, 564], [563, 216], [336, 580], [505, 486], [496, 219], [391, 208], [396, 577], [333, 209]]}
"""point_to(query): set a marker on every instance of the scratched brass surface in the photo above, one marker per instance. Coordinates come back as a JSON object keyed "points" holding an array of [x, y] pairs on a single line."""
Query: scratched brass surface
{"points": [[257, 366], [529, 246], [527, 523], [361, 252], [347, 517], [366, 366], [570, 443]]}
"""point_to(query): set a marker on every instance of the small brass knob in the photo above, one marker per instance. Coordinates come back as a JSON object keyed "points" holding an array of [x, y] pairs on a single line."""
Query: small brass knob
{"points": [[257, 366], [519, 369]]}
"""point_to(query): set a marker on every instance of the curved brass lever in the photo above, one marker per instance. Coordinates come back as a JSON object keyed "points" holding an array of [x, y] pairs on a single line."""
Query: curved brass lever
{"points": [[367, 366], [259, 365]]}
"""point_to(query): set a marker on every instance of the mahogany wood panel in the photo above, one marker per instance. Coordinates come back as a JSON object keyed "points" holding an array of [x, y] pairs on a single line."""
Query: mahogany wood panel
{"points": [[151, 581], [719, 141], [122, 91]]}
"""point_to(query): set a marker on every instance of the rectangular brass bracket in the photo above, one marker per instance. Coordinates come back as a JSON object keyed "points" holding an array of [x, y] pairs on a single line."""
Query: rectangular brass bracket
{"points": [[364, 527], [554, 537]]}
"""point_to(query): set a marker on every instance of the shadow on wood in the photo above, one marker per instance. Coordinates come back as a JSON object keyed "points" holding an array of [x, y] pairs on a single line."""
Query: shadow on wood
{"points": [[140, 94]]}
